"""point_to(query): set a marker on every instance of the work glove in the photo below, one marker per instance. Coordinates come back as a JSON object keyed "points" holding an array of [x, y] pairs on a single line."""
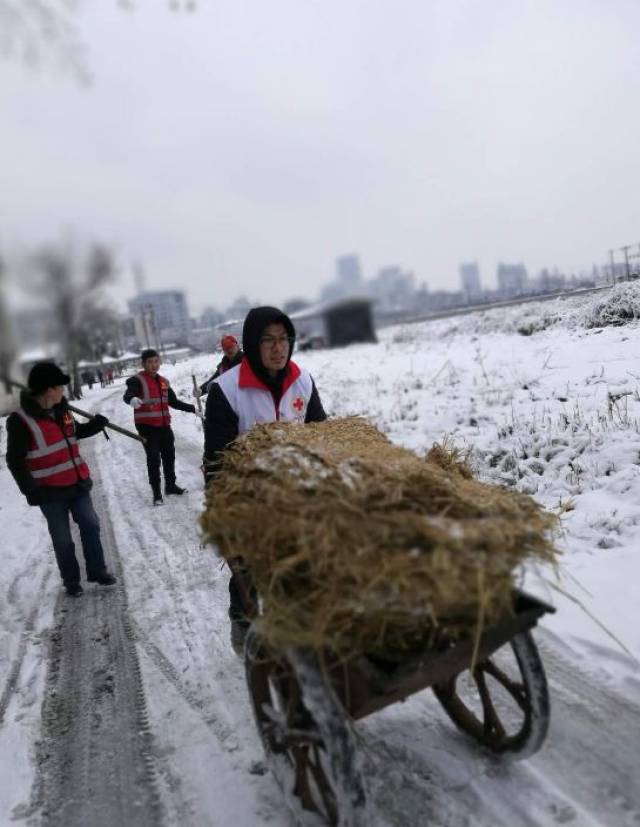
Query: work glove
{"points": [[35, 497], [200, 415], [101, 421], [135, 402]]}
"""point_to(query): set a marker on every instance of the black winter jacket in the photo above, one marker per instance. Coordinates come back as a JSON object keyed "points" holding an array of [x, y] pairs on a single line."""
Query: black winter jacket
{"points": [[220, 421], [224, 364], [19, 439]]}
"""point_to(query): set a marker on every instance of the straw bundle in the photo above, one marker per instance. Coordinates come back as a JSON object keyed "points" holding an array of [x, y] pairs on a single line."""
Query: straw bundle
{"points": [[356, 544]]}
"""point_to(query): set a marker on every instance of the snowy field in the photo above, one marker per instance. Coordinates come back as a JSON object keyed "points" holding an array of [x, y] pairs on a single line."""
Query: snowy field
{"points": [[546, 400]]}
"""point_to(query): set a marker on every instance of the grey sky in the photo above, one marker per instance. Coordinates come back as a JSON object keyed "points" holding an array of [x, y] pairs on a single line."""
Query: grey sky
{"points": [[241, 148]]}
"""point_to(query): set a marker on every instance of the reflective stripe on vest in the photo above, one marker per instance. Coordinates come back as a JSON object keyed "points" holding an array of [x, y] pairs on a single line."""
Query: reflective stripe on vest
{"points": [[154, 409], [55, 469], [255, 404], [53, 461]]}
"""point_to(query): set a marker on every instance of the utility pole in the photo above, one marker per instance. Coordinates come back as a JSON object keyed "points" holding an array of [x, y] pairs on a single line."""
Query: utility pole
{"points": [[613, 268], [625, 249], [143, 315]]}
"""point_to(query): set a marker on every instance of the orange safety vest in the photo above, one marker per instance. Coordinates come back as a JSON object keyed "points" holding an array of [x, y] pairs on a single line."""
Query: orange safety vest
{"points": [[154, 409], [53, 457]]}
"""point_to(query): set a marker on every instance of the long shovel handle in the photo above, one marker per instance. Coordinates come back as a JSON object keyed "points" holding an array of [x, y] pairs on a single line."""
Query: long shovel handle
{"points": [[109, 424], [196, 393], [79, 411]]}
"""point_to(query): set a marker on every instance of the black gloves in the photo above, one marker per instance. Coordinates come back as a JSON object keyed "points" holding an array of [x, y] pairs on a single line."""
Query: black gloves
{"points": [[35, 497], [100, 421]]}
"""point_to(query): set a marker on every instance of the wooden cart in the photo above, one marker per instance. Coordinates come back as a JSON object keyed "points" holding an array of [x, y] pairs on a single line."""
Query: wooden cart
{"points": [[305, 705]]}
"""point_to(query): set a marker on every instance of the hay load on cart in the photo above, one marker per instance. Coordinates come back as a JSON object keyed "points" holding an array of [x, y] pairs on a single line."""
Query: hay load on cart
{"points": [[378, 574], [358, 545]]}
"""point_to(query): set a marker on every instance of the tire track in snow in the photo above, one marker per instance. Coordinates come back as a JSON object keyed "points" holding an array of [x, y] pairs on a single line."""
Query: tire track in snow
{"points": [[585, 775], [96, 761], [197, 693], [13, 673], [224, 733], [129, 507]]}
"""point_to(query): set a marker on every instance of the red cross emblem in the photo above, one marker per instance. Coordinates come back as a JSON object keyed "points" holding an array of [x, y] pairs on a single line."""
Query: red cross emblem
{"points": [[298, 403]]}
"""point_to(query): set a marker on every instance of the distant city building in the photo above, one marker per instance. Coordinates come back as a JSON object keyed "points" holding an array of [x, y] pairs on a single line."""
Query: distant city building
{"points": [[512, 279], [128, 333], [547, 282], [470, 280], [210, 317], [161, 316], [348, 272], [239, 308], [393, 289], [332, 292]]}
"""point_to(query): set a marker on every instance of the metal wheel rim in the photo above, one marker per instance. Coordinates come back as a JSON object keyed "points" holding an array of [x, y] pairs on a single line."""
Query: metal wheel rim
{"points": [[530, 694]]}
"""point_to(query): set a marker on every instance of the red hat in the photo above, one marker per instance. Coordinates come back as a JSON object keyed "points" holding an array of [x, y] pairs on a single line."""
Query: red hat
{"points": [[228, 341]]}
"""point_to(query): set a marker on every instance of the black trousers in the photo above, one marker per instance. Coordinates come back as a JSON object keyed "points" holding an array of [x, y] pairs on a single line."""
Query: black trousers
{"points": [[160, 446], [237, 589]]}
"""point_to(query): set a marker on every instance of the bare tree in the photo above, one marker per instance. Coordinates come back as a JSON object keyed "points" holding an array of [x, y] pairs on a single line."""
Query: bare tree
{"points": [[46, 32], [7, 342], [83, 317], [43, 32]]}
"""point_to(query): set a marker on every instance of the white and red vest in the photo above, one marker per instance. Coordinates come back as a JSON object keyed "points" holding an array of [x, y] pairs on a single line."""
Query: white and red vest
{"points": [[252, 402], [154, 409], [53, 457]]}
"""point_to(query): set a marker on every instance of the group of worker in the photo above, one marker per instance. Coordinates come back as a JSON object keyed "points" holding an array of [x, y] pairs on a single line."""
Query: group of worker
{"points": [[259, 383]]}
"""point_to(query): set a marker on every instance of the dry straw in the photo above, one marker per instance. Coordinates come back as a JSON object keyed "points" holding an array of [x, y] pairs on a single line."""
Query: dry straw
{"points": [[356, 544]]}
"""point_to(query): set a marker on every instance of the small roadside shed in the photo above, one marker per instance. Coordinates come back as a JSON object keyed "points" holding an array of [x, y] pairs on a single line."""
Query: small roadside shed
{"points": [[336, 323]]}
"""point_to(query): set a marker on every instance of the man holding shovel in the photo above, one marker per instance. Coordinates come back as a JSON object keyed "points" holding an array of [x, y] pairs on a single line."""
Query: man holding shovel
{"points": [[150, 395], [43, 456]]}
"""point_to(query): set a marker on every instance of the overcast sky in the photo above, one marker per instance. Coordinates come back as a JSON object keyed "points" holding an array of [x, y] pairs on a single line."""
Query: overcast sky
{"points": [[241, 148]]}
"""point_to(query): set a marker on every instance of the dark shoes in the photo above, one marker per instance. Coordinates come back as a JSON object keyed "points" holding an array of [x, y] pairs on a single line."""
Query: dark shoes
{"points": [[74, 589], [169, 489], [104, 578]]}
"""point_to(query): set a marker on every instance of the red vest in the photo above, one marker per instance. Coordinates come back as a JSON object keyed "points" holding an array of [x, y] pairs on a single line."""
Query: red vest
{"points": [[154, 409], [53, 457]]}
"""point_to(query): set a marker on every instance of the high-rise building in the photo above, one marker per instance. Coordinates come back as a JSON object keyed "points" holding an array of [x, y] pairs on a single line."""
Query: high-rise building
{"points": [[393, 289], [348, 272], [470, 280], [162, 317], [512, 279]]}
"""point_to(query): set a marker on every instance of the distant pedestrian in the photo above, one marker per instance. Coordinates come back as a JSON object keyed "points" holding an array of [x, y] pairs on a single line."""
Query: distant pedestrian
{"points": [[101, 378], [232, 357], [151, 396], [43, 456]]}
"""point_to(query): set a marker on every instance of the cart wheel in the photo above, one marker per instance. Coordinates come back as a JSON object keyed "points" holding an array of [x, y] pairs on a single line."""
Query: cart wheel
{"points": [[307, 740], [504, 703]]}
